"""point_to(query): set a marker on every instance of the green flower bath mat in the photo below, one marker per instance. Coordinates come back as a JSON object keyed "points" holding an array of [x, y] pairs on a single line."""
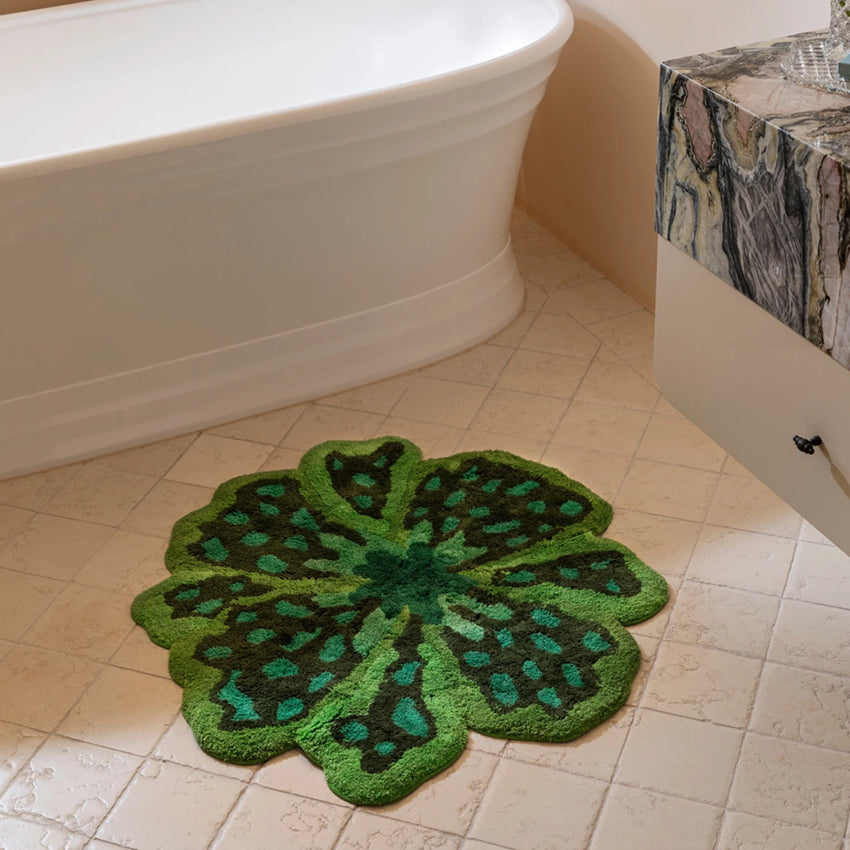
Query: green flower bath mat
{"points": [[370, 607]]}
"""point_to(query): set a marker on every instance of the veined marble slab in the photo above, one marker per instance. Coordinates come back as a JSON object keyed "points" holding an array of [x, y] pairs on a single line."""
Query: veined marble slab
{"points": [[753, 183]]}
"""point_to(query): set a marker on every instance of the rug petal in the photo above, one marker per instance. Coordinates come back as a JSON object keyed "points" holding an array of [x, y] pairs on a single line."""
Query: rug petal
{"points": [[534, 671], [261, 524], [256, 674], [597, 574], [395, 730], [363, 484], [498, 504]]}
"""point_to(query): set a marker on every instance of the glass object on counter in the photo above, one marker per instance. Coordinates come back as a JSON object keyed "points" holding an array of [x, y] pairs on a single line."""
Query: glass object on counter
{"points": [[814, 61]]}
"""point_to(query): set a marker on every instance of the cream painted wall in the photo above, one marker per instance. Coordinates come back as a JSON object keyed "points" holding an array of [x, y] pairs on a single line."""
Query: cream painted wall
{"points": [[589, 168]]}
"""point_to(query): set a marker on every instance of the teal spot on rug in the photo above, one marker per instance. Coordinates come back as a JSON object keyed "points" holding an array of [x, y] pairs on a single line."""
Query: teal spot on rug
{"points": [[537, 507], [531, 670], [520, 577], [523, 489], [571, 508], [595, 642], [570, 573], [237, 518], [492, 485], [363, 502], [214, 549], [345, 617], [381, 462], [259, 635], [289, 708], [450, 524], [471, 474], [237, 586], [297, 542], [573, 675], [255, 538], [333, 649], [242, 703], [601, 565], [544, 528], [420, 511], [502, 527], [190, 593], [269, 510], [405, 675], [354, 731], [247, 617], [384, 748], [337, 464], [287, 609], [613, 587], [477, 659], [209, 606], [302, 518], [218, 652], [479, 512], [503, 688], [363, 480], [504, 637], [271, 564], [454, 498], [407, 717], [545, 618], [273, 490], [545, 643], [433, 483], [318, 682], [279, 668], [548, 696], [517, 541]]}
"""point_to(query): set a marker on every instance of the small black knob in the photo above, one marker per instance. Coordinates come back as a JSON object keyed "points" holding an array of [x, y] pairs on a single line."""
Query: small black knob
{"points": [[807, 446]]}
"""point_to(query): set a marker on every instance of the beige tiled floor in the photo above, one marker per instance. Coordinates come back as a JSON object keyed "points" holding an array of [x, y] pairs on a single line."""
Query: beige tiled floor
{"points": [[737, 732]]}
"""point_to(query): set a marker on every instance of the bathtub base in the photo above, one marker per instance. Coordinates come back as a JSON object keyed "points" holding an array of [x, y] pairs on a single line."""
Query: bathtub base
{"points": [[166, 399]]}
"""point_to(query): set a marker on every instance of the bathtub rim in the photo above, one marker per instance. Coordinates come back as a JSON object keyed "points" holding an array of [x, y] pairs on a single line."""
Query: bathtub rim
{"points": [[538, 51]]}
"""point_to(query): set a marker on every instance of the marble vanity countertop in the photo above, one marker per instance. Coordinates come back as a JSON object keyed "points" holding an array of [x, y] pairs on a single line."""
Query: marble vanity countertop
{"points": [[753, 182]]}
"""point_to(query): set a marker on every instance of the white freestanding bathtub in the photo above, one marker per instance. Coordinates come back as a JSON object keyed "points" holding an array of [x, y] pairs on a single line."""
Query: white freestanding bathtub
{"points": [[210, 208]]}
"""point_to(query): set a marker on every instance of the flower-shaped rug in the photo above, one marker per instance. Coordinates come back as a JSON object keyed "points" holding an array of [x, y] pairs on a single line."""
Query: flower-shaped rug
{"points": [[371, 606]]}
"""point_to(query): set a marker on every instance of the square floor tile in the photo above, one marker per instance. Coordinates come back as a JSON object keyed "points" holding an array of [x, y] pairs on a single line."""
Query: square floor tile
{"points": [[34, 491], [16, 834], [152, 459], [23, 598], [675, 440], [167, 502], [743, 559], [210, 460], [792, 782], [11, 520], [439, 401], [748, 504], [53, 546], [748, 832], [57, 678], [511, 336], [544, 374], [473, 441], [267, 428], [433, 440], [125, 710], [140, 653], [705, 684], [675, 491], [178, 745], [812, 636], [679, 756], [128, 564], [594, 301], [294, 773], [560, 334], [723, 618], [71, 783], [630, 335], [366, 831], [558, 270], [803, 705], [83, 621], [820, 573], [481, 365], [100, 494], [532, 417], [168, 806], [379, 397], [264, 819], [602, 428], [17, 744], [611, 380], [529, 807], [643, 820]]}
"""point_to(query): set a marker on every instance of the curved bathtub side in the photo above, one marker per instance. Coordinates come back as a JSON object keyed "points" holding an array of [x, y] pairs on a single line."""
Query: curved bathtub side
{"points": [[202, 284]]}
